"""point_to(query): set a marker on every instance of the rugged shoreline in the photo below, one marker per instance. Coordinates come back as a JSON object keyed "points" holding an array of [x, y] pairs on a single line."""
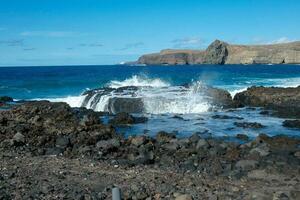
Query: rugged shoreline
{"points": [[221, 53], [52, 151]]}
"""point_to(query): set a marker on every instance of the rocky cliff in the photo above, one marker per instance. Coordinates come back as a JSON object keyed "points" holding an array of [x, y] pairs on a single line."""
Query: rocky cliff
{"points": [[220, 52]]}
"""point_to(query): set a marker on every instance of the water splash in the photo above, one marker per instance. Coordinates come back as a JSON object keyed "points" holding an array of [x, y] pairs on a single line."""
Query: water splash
{"points": [[138, 81]]}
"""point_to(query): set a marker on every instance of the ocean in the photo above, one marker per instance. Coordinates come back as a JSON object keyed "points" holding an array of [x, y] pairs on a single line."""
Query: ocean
{"points": [[160, 90]]}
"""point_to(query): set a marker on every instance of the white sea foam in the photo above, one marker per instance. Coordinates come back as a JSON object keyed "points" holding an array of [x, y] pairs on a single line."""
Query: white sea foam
{"points": [[176, 100], [139, 81], [235, 91], [160, 97], [73, 101]]}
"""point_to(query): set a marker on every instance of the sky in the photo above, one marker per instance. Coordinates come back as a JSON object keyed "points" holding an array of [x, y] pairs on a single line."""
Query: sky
{"points": [[99, 32]]}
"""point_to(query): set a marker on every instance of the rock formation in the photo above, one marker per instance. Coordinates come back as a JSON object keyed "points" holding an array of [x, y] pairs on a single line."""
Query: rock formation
{"points": [[286, 101], [220, 52]]}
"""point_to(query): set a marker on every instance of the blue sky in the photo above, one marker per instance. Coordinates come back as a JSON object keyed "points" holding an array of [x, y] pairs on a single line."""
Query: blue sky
{"points": [[78, 32]]}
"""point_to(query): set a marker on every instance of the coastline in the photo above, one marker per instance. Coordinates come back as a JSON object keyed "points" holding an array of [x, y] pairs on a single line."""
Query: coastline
{"points": [[76, 151]]}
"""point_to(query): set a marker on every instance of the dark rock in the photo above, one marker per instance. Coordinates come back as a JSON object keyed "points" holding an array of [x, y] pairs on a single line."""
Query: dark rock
{"points": [[226, 117], [164, 137], [285, 101], [140, 120], [128, 105], [242, 137], [122, 118], [292, 123], [264, 112], [194, 138], [126, 119], [216, 53], [202, 144], [18, 139], [62, 141], [54, 151], [246, 164], [106, 145], [261, 150], [138, 140], [5, 99], [253, 125]]}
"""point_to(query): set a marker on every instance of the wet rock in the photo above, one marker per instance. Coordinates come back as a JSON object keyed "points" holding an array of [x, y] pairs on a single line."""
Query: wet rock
{"points": [[140, 120], [128, 105], [126, 119], [164, 137], [292, 123], [5, 99], [264, 112], [122, 118], [226, 117], [242, 137], [252, 125]]}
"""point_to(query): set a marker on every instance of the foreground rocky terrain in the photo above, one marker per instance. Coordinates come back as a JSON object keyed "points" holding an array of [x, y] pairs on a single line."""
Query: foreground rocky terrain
{"points": [[51, 151], [220, 52]]}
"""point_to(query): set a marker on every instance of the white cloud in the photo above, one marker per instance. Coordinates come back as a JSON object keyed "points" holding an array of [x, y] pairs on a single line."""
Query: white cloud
{"points": [[187, 42], [132, 46], [258, 40], [282, 40], [48, 33]]}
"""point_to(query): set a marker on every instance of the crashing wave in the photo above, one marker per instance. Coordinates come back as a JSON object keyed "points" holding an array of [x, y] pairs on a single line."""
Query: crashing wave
{"points": [[138, 81]]}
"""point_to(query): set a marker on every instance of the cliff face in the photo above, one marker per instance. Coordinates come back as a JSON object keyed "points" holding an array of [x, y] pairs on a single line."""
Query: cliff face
{"points": [[223, 53]]}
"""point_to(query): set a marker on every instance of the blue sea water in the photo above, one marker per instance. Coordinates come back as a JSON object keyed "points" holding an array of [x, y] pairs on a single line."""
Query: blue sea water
{"points": [[67, 83], [63, 81]]}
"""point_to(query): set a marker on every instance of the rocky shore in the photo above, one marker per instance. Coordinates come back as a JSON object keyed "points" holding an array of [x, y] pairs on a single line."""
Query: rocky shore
{"points": [[52, 151], [220, 52]]}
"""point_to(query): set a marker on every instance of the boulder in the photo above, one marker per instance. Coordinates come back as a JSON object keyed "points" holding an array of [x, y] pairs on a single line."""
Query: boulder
{"points": [[106, 145], [292, 123], [202, 144], [18, 139], [253, 125], [164, 137], [138, 140], [125, 119], [246, 164], [128, 105]]}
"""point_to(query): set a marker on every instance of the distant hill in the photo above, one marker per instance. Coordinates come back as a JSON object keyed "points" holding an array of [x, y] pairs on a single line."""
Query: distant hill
{"points": [[220, 52]]}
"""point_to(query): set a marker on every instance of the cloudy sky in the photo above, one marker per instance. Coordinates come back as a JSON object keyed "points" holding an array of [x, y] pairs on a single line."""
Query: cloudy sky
{"points": [[83, 32]]}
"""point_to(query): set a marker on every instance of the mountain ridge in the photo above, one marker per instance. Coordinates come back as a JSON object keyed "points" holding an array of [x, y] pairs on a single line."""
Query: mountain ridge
{"points": [[220, 52]]}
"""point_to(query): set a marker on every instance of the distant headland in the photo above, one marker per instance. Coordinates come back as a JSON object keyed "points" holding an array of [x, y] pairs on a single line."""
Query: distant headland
{"points": [[221, 53]]}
